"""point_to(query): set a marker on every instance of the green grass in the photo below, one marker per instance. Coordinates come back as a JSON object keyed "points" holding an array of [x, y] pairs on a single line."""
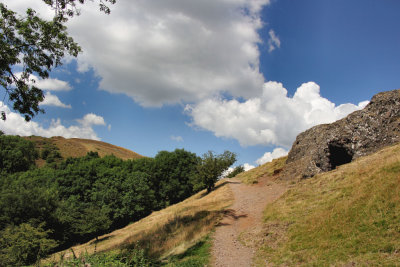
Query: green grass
{"points": [[196, 256], [347, 216]]}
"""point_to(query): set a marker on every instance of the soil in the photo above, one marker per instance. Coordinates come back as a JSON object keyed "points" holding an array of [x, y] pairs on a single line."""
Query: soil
{"points": [[235, 237]]}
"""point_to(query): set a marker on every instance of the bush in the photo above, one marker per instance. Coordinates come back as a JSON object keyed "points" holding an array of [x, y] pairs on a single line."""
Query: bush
{"points": [[24, 244]]}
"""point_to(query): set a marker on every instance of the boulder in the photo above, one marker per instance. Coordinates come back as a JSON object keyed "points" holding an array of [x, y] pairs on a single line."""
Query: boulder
{"points": [[324, 147]]}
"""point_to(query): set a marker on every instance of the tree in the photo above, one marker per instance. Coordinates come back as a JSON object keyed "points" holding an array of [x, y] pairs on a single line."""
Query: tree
{"points": [[211, 168], [236, 171], [16, 154], [24, 244], [172, 175], [39, 46]]}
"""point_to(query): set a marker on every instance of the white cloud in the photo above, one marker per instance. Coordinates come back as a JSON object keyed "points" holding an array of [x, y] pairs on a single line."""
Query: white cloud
{"points": [[227, 172], [248, 167], [176, 138], [269, 156], [273, 42], [91, 119], [52, 100], [52, 84], [272, 118], [169, 51], [16, 125], [172, 51], [49, 84], [21, 6]]}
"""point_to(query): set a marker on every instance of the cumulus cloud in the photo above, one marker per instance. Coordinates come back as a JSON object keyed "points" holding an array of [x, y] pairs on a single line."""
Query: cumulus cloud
{"points": [[176, 138], [49, 84], [16, 125], [269, 156], [52, 100], [164, 52], [273, 118], [91, 119], [168, 51], [273, 42]]}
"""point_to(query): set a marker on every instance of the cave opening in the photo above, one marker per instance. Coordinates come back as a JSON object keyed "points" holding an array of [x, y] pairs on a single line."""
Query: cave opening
{"points": [[339, 155]]}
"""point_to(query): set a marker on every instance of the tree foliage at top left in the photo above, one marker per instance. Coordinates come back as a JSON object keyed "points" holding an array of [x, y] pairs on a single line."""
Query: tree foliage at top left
{"points": [[29, 46]]}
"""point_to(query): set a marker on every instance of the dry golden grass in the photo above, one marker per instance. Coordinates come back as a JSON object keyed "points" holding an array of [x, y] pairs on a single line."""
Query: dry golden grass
{"points": [[75, 147], [269, 169], [170, 231], [347, 217]]}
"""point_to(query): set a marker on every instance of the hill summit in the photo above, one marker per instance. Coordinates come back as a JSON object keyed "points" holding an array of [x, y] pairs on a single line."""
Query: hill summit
{"points": [[76, 147], [324, 147]]}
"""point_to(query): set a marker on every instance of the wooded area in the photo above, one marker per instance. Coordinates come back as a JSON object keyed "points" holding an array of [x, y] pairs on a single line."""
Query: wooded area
{"points": [[73, 200]]}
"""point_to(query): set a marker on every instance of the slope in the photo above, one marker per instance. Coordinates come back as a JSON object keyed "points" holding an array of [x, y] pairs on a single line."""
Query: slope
{"points": [[76, 147], [346, 217], [164, 233]]}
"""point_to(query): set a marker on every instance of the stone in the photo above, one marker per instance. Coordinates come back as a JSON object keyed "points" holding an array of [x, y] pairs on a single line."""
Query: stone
{"points": [[324, 147]]}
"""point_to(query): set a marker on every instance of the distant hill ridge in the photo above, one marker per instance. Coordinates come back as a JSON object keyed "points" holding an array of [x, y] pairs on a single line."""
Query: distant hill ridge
{"points": [[77, 147]]}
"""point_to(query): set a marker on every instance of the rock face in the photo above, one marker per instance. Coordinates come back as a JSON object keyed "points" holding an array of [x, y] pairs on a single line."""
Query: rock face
{"points": [[324, 147]]}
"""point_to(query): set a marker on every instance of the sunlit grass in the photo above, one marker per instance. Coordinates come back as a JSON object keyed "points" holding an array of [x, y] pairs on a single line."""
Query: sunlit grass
{"points": [[76, 147], [267, 169], [348, 216], [167, 232]]}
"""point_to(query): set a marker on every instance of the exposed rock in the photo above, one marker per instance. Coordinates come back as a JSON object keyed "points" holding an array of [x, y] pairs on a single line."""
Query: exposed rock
{"points": [[324, 147]]}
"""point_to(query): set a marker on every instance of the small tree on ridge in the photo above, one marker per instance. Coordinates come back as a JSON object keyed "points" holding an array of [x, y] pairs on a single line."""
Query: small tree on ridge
{"points": [[212, 166]]}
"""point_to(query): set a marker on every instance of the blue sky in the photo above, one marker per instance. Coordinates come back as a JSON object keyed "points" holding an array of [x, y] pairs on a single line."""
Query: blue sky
{"points": [[239, 75]]}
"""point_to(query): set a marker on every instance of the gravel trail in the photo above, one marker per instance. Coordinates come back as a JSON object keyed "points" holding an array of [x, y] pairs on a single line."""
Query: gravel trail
{"points": [[244, 216]]}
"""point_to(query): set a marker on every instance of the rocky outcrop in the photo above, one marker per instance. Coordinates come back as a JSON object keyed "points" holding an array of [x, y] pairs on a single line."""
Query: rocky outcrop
{"points": [[324, 147]]}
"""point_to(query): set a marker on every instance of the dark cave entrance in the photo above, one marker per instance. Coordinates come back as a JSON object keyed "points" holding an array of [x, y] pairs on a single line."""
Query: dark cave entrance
{"points": [[339, 155]]}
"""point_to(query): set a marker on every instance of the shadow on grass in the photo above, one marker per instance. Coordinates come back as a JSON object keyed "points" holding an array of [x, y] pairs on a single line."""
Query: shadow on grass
{"points": [[218, 186], [101, 239], [179, 229], [232, 214]]}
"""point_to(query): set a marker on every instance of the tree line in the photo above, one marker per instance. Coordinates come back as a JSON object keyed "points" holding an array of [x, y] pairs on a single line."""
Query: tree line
{"points": [[73, 200]]}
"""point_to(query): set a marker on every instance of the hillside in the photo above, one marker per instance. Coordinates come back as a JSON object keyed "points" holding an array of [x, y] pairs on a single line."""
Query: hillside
{"points": [[76, 147], [346, 217], [164, 233]]}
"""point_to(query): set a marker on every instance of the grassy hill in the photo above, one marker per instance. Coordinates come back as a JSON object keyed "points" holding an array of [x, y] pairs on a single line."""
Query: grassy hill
{"points": [[268, 169], [347, 217], [76, 147], [168, 232]]}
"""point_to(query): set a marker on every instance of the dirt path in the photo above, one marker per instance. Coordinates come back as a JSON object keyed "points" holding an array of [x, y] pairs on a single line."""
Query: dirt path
{"points": [[244, 217]]}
